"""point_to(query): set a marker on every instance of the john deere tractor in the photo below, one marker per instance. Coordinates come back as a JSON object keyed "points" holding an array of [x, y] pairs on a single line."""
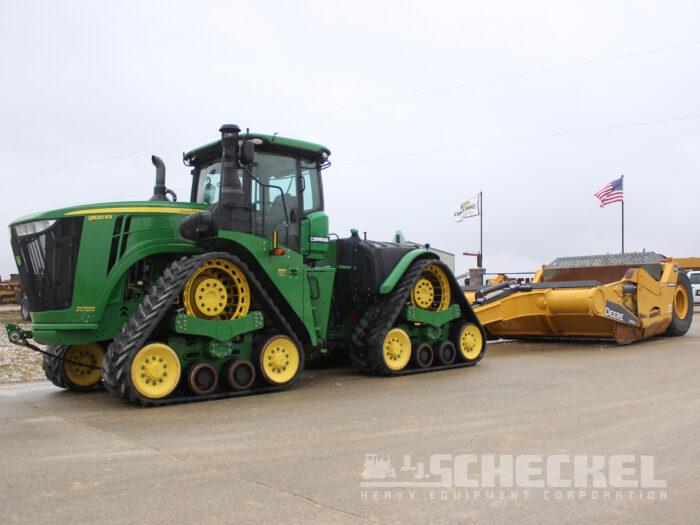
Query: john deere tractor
{"points": [[232, 292]]}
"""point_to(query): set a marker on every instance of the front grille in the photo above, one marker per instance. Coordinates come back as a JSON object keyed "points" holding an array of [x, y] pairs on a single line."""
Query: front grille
{"points": [[47, 263], [119, 238]]}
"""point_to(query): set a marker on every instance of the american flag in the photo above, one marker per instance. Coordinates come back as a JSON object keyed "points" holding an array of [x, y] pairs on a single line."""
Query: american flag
{"points": [[612, 192]]}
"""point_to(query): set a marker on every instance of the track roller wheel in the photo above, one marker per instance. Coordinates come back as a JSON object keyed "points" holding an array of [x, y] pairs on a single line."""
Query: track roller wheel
{"points": [[446, 353], [469, 342], [423, 355], [202, 378], [155, 371], [432, 290], [396, 350], [218, 290], [239, 374], [280, 360]]}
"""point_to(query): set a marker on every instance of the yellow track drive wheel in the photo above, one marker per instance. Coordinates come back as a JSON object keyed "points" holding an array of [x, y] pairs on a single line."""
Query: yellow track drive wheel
{"points": [[432, 291], [81, 377], [155, 371], [280, 360], [469, 342], [396, 349], [218, 290]]}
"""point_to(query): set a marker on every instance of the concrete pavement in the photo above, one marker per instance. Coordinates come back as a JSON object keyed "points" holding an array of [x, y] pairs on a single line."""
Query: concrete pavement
{"points": [[302, 455]]}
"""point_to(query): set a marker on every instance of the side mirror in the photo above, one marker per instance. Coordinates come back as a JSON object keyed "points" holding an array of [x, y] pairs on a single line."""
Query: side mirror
{"points": [[247, 152]]}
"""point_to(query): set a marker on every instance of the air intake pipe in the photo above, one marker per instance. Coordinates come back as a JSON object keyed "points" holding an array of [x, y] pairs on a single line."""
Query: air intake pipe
{"points": [[232, 211], [198, 225]]}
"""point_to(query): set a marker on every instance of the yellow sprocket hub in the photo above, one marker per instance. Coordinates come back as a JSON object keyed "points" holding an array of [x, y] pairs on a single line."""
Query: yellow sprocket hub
{"points": [[423, 294], [279, 360], [218, 290], [432, 291], [91, 355], [396, 349], [155, 371], [471, 342]]}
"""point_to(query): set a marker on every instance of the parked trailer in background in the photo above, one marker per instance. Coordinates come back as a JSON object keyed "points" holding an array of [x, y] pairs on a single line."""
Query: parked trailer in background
{"points": [[625, 297]]}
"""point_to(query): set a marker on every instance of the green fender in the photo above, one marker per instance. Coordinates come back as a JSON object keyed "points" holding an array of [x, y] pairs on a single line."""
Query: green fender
{"points": [[393, 278]]}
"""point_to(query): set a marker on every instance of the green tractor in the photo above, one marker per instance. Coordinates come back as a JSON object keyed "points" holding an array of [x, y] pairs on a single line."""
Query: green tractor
{"points": [[234, 291]]}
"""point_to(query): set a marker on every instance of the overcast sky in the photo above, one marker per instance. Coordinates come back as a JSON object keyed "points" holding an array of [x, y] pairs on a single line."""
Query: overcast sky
{"points": [[422, 104]]}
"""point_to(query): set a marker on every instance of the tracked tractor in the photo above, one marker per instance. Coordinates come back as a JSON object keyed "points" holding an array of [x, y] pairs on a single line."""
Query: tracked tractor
{"points": [[234, 291]]}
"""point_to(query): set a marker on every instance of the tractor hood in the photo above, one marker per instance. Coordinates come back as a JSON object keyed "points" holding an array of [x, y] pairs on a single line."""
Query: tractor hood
{"points": [[101, 210]]}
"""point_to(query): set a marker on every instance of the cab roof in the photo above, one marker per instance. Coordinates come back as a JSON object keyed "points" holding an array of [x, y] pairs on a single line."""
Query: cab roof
{"points": [[270, 143]]}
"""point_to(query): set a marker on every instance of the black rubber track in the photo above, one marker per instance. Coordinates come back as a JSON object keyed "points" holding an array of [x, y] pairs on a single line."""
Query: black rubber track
{"points": [[53, 365], [379, 318], [116, 364]]}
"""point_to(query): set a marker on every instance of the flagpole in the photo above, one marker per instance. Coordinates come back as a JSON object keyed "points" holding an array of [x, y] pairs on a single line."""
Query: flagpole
{"points": [[623, 213], [480, 262]]}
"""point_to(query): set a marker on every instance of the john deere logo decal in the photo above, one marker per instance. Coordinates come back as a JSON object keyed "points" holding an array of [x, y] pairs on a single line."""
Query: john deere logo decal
{"points": [[620, 314]]}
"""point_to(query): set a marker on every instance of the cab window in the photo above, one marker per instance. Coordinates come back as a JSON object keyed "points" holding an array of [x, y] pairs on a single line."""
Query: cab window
{"points": [[311, 185], [209, 183]]}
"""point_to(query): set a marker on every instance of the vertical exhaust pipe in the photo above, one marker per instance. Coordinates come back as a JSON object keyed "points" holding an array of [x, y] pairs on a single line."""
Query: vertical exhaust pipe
{"points": [[159, 189]]}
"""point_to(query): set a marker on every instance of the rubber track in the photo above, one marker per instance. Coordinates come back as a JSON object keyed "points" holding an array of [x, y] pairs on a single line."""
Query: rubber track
{"points": [[116, 364], [381, 316], [52, 366], [54, 371]]}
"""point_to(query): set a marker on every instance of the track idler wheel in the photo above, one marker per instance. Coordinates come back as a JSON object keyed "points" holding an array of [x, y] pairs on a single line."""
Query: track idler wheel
{"points": [[279, 360], [81, 375], [239, 374], [446, 353], [423, 355], [155, 371], [202, 378], [396, 350], [469, 342]]}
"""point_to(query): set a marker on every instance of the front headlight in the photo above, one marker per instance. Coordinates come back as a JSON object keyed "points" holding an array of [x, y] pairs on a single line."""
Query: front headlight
{"points": [[32, 228]]}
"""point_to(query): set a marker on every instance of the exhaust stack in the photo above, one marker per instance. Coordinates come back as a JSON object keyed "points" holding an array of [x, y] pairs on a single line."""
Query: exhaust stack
{"points": [[159, 190]]}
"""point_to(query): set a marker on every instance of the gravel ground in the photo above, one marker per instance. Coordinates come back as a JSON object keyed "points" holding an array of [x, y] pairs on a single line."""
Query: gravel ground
{"points": [[17, 363]]}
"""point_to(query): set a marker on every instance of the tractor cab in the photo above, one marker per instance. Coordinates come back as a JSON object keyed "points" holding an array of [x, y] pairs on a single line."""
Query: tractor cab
{"points": [[281, 189]]}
